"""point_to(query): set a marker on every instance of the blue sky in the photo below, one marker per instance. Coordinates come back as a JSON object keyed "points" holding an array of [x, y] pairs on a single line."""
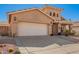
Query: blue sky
{"points": [[71, 11]]}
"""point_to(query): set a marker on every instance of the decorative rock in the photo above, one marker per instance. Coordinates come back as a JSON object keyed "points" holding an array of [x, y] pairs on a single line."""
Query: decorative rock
{"points": [[7, 48]]}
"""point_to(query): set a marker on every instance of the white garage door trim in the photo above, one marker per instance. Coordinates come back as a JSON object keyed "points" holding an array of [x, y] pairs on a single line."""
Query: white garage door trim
{"points": [[31, 29]]}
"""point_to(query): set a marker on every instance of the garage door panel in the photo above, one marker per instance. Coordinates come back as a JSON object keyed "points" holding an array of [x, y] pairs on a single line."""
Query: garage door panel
{"points": [[31, 29]]}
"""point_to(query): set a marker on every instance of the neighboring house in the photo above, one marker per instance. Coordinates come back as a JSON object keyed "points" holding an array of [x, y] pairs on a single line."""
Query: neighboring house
{"points": [[75, 27], [35, 22], [4, 29]]}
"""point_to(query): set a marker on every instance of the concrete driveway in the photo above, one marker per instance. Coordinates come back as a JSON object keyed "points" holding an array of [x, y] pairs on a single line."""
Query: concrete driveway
{"points": [[42, 41], [34, 43]]}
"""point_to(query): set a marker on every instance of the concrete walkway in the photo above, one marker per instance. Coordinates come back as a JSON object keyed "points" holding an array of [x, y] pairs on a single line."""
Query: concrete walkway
{"points": [[66, 49], [35, 44]]}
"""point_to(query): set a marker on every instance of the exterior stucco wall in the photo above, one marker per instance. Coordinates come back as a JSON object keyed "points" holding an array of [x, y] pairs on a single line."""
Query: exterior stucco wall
{"points": [[75, 27], [50, 9]]}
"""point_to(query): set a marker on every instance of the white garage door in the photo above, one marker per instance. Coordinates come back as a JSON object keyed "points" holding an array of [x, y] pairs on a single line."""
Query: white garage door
{"points": [[31, 29]]}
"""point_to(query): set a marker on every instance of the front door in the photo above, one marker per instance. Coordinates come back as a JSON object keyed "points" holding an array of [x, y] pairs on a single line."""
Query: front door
{"points": [[55, 28]]}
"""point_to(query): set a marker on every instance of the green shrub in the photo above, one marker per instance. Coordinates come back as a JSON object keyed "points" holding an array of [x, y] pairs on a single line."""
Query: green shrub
{"points": [[66, 32]]}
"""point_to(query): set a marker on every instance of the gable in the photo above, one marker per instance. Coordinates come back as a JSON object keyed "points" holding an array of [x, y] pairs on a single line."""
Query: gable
{"points": [[45, 9], [34, 15]]}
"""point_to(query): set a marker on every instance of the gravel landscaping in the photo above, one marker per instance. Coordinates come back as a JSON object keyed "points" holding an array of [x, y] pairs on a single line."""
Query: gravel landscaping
{"points": [[8, 46]]}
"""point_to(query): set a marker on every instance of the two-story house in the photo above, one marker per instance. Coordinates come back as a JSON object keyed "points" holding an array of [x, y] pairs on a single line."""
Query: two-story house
{"points": [[37, 21]]}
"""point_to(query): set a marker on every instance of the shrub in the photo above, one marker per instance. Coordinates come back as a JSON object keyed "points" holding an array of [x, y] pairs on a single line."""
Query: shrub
{"points": [[51, 34], [10, 50], [17, 52], [59, 33], [66, 32]]}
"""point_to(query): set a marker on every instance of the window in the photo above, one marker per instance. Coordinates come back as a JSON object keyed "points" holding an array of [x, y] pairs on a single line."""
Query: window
{"points": [[57, 15], [14, 18], [50, 13], [53, 13]]}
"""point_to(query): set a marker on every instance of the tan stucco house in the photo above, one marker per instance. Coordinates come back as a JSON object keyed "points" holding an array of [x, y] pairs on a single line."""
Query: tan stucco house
{"points": [[37, 22], [75, 27]]}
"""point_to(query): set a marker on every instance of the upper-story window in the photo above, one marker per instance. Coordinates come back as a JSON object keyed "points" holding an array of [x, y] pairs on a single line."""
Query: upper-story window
{"points": [[57, 15], [53, 13], [14, 18], [50, 13]]}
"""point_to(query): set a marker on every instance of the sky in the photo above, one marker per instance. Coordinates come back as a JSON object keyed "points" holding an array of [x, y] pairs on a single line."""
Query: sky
{"points": [[71, 11]]}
